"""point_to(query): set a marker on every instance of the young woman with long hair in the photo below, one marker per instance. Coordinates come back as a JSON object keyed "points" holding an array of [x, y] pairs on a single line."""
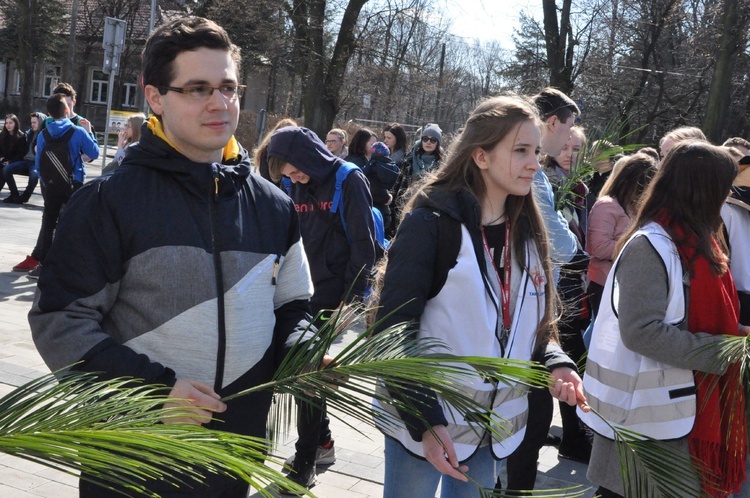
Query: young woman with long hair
{"points": [[128, 136], [359, 146], [610, 216], [668, 297], [496, 300], [12, 143], [394, 137]]}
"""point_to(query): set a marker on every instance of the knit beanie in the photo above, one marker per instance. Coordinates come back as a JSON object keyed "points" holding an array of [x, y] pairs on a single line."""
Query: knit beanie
{"points": [[380, 149], [433, 130]]}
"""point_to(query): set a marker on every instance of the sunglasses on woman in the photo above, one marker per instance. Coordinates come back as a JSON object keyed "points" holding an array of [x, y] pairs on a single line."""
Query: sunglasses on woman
{"points": [[432, 140]]}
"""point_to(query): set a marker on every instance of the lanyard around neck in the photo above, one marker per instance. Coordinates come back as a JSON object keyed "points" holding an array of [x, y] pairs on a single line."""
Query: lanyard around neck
{"points": [[504, 288]]}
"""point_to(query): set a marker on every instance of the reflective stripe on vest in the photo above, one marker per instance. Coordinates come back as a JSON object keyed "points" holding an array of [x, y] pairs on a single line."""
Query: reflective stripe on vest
{"points": [[465, 290], [630, 390]]}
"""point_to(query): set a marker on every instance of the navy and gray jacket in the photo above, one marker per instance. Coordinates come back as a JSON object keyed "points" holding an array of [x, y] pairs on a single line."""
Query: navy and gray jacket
{"points": [[337, 264], [174, 269]]}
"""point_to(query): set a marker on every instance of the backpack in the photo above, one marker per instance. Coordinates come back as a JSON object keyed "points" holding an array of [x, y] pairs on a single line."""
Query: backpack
{"points": [[386, 172], [381, 245], [55, 163]]}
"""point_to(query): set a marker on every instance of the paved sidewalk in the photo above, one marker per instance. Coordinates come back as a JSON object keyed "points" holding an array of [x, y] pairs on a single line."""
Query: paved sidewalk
{"points": [[357, 473]]}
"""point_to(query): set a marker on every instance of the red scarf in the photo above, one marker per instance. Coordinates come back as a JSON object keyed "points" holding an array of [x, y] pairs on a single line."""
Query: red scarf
{"points": [[719, 438]]}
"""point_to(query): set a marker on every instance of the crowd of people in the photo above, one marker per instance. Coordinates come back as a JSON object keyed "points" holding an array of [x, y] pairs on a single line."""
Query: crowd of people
{"points": [[201, 275], [590, 200]]}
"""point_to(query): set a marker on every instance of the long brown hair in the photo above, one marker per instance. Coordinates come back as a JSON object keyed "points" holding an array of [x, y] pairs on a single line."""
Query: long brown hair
{"points": [[688, 190], [487, 126], [629, 179], [135, 121]]}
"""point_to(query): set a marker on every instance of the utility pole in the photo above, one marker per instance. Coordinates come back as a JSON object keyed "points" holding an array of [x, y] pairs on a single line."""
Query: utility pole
{"points": [[113, 43]]}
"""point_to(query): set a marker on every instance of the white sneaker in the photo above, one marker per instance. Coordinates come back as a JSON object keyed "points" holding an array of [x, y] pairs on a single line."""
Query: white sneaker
{"points": [[323, 456]]}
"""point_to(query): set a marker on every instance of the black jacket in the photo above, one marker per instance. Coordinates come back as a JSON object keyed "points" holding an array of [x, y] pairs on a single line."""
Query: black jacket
{"points": [[168, 269], [339, 267]]}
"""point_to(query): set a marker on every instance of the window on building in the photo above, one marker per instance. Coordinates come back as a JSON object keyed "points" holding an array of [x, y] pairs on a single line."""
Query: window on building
{"points": [[130, 90], [15, 86], [3, 71], [99, 87], [52, 76]]}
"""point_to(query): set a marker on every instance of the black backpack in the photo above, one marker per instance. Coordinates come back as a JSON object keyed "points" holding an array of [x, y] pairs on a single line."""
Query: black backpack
{"points": [[55, 164]]}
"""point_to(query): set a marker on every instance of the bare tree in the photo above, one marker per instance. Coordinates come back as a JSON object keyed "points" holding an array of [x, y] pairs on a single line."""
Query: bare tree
{"points": [[34, 36], [733, 21], [323, 69]]}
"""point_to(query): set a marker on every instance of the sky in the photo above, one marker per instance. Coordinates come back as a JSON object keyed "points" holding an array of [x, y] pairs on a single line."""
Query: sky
{"points": [[489, 19]]}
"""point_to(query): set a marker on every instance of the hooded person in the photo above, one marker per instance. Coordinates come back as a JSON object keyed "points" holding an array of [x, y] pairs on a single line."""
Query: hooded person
{"points": [[340, 257]]}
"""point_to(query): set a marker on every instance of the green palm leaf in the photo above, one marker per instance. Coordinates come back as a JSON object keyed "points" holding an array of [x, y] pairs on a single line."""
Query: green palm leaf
{"points": [[111, 432], [398, 362]]}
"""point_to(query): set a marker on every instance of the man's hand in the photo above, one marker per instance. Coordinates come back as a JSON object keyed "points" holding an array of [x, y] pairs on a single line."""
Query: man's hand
{"points": [[441, 454], [197, 400], [568, 388]]}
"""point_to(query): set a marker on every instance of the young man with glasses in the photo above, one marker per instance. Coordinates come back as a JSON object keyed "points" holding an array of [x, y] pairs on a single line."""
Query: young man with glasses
{"points": [[195, 277]]}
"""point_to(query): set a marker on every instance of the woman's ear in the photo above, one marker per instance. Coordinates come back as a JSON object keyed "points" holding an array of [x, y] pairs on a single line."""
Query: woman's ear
{"points": [[481, 158]]}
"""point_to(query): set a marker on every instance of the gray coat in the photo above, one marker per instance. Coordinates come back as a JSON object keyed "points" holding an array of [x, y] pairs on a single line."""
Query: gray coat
{"points": [[643, 300]]}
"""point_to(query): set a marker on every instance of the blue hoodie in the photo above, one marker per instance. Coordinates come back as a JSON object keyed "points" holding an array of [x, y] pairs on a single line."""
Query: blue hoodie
{"points": [[80, 143], [337, 266]]}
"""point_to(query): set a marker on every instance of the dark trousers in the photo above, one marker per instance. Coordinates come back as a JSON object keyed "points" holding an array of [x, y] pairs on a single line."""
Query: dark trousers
{"points": [[215, 486], [522, 464], [25, 168], [53, 205], [313, 429], [313, 424], [595, 292]]}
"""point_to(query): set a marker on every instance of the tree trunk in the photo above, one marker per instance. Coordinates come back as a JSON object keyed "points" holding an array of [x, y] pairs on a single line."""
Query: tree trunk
{"points": [[731, 40], [559, 43], [324, 77]]}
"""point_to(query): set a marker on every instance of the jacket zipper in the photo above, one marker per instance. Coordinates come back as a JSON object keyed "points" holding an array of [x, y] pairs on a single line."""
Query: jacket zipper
{"points": [[219, 273]]}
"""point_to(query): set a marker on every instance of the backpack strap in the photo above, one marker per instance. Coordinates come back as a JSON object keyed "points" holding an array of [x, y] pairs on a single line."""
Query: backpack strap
{"points": [[48, 138], [341, 175], [738, 202], [446, 250], [338, 199]]}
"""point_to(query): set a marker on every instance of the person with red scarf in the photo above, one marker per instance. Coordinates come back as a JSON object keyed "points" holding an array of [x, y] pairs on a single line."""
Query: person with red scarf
{"points": [[694, 401]]}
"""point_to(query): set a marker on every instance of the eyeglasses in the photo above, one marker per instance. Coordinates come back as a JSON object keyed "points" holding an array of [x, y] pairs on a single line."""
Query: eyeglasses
{"points": [[203, 92], [333, 141], [432, 140]]}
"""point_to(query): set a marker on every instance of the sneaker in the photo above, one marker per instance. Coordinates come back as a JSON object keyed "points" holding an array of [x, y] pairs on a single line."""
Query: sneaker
{"points": [[323, 456], [35, 272], [579, 451], [302, 473], [12, 200], [552, 440], [27, 264]]}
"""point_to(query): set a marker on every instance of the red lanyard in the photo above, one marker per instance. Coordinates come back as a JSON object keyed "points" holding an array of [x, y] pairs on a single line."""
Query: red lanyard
{"points": [[504, 289]]}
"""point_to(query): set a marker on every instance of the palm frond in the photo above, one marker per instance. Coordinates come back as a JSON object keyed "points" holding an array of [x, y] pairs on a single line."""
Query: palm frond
{"points": [[595, 150], [111, 433], [652, 468], [399, 363]]}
